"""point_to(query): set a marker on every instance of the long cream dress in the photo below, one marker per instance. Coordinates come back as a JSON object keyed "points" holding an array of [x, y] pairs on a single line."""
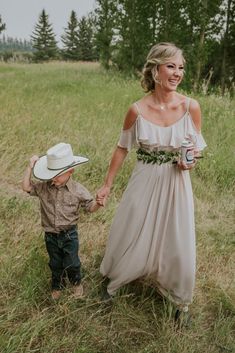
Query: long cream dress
{"points": [[153, 231]]}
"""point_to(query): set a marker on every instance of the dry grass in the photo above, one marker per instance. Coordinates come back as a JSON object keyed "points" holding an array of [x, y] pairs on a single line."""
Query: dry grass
{"points": [[79, 103]]}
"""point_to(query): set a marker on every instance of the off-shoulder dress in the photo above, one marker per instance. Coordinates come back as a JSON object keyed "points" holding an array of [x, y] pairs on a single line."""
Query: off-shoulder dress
{"points": [[153, 231]]}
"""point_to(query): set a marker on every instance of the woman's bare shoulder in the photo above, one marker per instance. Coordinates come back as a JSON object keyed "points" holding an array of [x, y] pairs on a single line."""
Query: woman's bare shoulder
{"points": [[195, 112], [130, 117], [194, 105]]}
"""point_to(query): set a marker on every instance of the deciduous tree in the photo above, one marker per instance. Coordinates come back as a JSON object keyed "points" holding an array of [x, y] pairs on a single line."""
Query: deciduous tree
{"points": [[105, 13]]}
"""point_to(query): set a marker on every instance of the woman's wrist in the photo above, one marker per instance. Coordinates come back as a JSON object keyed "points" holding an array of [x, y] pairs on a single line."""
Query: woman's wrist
{"points": [[108, 184]]}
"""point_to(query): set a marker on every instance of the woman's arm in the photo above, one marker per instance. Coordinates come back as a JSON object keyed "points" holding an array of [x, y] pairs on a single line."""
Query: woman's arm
{"points": [[117, 160]]}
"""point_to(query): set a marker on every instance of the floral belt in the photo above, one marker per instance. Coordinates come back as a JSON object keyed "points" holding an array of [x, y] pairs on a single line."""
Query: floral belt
{"points": [[157, 157]]}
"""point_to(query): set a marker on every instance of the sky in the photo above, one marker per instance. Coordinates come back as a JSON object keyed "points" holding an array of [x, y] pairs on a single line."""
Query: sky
{"points": [[20, 16]]}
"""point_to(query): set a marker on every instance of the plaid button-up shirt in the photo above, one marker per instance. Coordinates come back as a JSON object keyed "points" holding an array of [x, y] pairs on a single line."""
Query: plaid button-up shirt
{"points": [[60, 205]]}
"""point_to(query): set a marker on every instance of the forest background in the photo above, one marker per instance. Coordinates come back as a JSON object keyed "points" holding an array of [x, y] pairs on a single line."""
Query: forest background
{"points": [[119, 34]]}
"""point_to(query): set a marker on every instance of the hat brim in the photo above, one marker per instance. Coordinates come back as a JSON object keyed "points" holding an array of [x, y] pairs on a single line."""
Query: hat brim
{"points": [[41, 172]]}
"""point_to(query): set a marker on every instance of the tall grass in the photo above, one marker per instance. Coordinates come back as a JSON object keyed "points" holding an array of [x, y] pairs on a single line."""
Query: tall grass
{"points": [[81, 104]]}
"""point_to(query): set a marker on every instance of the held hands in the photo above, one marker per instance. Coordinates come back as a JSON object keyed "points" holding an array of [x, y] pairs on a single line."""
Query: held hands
{"points": [[33, 160], [102, 195]]}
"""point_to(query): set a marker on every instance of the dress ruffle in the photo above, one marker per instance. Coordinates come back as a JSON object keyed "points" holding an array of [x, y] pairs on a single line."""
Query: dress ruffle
{"points": [[143, 132], [128, 138]]}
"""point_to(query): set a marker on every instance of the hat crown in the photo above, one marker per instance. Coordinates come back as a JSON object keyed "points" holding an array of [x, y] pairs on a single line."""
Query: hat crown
{"points": [[60, 156]]}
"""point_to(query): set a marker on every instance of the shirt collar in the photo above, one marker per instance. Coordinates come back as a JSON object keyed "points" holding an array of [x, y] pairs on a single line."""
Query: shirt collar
{"points": [[68, 184]]}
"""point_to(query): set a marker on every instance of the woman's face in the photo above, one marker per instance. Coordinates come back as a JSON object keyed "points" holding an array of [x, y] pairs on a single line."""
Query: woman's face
{"points": [[171, 73]]}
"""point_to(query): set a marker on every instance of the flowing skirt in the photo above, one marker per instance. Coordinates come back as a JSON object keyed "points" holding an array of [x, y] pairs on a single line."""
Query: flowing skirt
{"points": [[153, 233]]}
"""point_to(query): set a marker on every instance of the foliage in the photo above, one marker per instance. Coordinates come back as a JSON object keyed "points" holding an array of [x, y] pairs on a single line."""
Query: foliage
{"points": [[127, 29], [203, 26], [78, 39], [85, 44], [15, 44], [43, 39], [15, 56], [2, 25], [70, 39], [105, 20], [156, 157], [228, 47], [119, 33], [135, 33]]}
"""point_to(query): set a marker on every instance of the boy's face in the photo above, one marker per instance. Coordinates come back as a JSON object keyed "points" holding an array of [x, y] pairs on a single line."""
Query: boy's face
{"points": [[62, 178]]}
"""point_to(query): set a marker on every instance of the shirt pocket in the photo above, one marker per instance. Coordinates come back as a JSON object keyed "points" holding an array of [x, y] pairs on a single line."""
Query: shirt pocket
{"points": [[70, 203]]}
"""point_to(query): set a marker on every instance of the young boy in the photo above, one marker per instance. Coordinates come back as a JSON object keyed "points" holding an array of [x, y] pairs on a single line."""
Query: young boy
{"points": [[60, 199]]}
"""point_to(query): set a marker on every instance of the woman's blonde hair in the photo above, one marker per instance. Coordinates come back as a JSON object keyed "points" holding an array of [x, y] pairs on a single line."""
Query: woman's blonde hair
{"points": [[159, 54]]}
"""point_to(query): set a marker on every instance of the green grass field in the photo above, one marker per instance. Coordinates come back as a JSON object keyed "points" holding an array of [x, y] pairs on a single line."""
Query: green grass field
{"points": [[81, 104]]}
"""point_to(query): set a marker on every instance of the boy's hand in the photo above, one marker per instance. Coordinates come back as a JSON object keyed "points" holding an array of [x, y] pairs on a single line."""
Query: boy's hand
{"points": [[33, 160], [101, 202], [102, 195], [26, 183]]}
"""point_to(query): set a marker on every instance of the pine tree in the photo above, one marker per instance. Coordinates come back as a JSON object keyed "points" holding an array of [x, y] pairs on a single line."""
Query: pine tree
{"points": [[14, 44], [70, 39], [43, 39], [2, 25], [85, 40]]}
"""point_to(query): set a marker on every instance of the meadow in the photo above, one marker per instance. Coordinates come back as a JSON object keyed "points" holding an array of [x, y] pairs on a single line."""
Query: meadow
{"points": [[43, 104]]}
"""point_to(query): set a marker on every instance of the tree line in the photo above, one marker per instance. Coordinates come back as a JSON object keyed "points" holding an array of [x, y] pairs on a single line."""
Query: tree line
{"points": [[119, 33], [9, 43], [78, 39], [205, 29]]}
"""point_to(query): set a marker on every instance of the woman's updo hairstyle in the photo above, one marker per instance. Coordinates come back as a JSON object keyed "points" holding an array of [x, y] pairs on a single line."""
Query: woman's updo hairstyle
{"points": [[159, 54]]}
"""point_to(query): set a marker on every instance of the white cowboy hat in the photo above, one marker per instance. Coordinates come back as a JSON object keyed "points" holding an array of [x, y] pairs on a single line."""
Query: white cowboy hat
{"points": [[58, 160]]}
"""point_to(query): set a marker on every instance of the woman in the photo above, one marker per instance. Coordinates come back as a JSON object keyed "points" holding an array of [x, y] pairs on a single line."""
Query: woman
{"points": [[153, 231]]}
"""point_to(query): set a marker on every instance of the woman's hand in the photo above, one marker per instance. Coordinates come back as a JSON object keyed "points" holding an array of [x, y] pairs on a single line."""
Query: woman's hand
{"points": [[183, 166], [102, 195]]}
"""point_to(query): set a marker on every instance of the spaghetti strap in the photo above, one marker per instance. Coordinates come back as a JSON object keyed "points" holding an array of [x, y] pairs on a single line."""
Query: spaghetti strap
{"points": [[137, 108], [187, 104]]}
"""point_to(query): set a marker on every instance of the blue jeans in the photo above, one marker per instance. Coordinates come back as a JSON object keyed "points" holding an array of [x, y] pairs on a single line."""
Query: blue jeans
{"points": [[64, 261]]}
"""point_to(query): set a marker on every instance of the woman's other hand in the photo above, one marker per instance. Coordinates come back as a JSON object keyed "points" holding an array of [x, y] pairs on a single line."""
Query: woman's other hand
{"points": [[102, 195], [183, 166]]}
